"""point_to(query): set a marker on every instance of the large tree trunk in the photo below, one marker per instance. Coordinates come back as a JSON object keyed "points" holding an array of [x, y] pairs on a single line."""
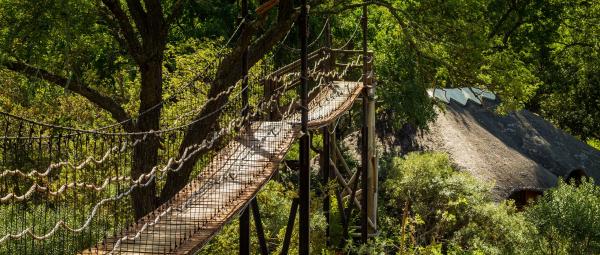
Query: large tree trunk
{"points": [[145, 154]]}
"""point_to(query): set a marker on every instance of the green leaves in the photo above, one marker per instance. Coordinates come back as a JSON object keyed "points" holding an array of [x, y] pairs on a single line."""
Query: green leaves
{"points": [[568, 219], [510, 78]]}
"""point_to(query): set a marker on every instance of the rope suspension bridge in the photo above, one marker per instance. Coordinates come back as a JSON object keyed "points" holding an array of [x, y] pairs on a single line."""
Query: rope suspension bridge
{"points": [[68, 191]]}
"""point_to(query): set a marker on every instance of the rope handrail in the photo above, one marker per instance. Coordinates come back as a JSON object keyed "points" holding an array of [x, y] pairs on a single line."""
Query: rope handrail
{"points": [[188, 153]]}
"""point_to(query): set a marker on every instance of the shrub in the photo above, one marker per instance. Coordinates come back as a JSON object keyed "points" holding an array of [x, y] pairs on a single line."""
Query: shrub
{"points": [[568, 219], [434, 209]]}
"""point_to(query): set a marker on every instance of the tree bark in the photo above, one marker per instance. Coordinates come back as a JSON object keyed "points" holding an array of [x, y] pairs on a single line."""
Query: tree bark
{"points": [[148, 55], [145, 154]]}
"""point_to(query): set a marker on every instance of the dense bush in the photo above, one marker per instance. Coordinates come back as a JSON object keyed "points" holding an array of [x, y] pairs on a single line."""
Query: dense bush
{"points": [[428, 207], [432, 208], [568, 219]]}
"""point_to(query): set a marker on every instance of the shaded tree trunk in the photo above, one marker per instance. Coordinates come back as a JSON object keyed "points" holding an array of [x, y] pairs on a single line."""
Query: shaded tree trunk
{"points": [[145, 154]]}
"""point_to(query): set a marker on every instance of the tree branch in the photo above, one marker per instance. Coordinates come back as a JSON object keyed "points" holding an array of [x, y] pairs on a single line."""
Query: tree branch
{"points": [[500, 22], [104, 102], [139, 16], [133, 44], [176, 12]]}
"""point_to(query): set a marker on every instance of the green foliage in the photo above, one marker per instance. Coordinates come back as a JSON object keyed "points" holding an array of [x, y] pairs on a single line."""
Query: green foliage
{"points": [[275, 202], [594, 143], [568, 219], [558, 41], [432, 209], [494, 229], [399, 78], [511, 77]]}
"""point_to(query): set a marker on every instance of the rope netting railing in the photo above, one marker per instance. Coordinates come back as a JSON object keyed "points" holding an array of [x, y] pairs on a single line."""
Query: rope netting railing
{"points": [[64, 190]]}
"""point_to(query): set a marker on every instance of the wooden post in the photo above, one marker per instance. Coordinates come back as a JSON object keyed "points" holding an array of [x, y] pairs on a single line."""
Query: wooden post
{"points": [[369, 161], [372, 153]]}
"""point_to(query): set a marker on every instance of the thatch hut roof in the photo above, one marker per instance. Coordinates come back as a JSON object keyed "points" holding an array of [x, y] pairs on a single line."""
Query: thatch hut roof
{"points": [[517, 151]]}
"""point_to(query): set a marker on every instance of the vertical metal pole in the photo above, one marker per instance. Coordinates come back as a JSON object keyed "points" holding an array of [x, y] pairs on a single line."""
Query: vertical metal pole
{"points": [[267, 95], [326, 155], [245, 88], [304, 222], [245, 217], [325, 172], [264, 249], [365, 132], [245, 231], [289, 227]]}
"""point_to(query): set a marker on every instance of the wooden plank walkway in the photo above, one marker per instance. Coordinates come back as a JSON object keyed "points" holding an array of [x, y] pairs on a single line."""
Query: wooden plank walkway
{"points": [[228, 183]]}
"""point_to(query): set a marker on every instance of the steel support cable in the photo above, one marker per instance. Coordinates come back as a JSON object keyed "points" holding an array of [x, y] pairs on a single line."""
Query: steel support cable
{"points": [[151, 176], [344, 45], [317, 74], [351, 37], [157, 219], [314, 41], [185, 204], [64, 187], [221, 94], [195, 79], [89, 160]]}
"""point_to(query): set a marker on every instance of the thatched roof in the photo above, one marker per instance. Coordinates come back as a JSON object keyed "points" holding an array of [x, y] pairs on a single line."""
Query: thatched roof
{"points": [[517, 151]]}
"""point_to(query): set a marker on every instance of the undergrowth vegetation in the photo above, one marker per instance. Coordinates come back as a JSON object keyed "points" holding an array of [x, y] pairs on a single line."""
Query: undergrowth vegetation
{"points": [[428, 207]]}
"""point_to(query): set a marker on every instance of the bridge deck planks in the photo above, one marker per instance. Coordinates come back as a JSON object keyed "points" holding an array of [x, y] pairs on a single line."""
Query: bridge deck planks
{"points": [[229, 181]]}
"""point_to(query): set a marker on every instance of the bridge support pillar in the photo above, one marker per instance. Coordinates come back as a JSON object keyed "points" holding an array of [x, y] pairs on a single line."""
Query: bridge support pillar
{"points": [[326, 173], [245, 231], [244, 234], [304, 175], [369, 160]]}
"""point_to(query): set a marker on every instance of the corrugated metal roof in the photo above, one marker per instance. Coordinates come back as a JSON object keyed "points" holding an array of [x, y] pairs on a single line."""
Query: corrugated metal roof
{"points": [[460, 95]]}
